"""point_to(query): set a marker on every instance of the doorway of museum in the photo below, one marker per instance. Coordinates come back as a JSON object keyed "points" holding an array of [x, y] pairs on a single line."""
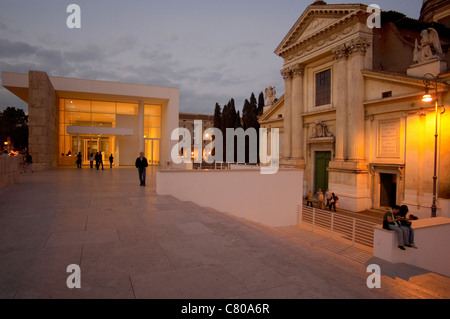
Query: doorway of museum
{"points": [[322, 160], [388, 190], [153, 151], [93, 144]]}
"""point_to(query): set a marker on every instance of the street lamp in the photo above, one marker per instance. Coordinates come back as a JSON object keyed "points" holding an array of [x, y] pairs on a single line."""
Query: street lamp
{"points": [[428, 98]]}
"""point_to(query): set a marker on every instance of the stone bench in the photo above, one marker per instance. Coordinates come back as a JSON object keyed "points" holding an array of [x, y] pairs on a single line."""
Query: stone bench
{"points": [[432, 236]]}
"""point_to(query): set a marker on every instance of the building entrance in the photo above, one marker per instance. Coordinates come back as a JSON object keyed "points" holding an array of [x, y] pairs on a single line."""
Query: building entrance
{"points": [[321, 173], [88, 145], [388, 190]]}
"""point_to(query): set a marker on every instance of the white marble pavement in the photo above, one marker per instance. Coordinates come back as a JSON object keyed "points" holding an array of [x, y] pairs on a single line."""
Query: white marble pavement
{"points": [[131, 243]]}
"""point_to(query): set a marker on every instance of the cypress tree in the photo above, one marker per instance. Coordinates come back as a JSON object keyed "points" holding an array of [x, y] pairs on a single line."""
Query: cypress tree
{"points": [[217, 116], [261, 103]]}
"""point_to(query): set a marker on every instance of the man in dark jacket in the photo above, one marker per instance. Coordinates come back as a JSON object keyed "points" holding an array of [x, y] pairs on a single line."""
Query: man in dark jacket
{"points": [[141, 165]]}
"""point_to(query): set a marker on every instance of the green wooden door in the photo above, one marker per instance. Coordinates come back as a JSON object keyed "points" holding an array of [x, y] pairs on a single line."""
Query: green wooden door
{"points": [[321, 173]]}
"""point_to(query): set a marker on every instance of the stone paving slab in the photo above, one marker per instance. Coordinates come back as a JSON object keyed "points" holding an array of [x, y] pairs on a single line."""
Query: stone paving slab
{"points": [[131, 243]]}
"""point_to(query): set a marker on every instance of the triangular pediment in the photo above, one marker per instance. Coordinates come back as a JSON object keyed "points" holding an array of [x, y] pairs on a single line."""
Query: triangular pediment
{"points": [[316, 20], [314, 26], [273, 113]]}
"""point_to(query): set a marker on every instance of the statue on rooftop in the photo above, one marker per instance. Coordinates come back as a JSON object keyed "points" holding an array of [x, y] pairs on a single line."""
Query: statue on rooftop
{"points": [[270, 95], [429, 39]]}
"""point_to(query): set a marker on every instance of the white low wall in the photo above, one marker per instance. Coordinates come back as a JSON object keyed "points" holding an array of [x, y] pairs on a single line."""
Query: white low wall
{"points": [[271, 199], [432, 236]]}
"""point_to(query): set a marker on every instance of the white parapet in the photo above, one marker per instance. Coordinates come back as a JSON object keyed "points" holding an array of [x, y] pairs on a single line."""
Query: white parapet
{"points": [[272, 199], [432, 236]]}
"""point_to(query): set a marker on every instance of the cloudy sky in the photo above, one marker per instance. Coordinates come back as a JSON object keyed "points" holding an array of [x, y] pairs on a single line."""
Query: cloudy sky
{"points": [[212, 50]]}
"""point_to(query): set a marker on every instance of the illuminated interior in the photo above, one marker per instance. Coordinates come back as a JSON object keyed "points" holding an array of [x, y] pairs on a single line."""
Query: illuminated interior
{"points": [[105, 114]]}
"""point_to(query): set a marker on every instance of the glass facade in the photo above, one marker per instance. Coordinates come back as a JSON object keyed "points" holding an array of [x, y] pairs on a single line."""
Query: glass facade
{"points": [[105, 114], [152, 133]]}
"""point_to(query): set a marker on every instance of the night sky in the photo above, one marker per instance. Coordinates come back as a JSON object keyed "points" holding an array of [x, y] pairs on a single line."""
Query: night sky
{"points": [[211, 50]]}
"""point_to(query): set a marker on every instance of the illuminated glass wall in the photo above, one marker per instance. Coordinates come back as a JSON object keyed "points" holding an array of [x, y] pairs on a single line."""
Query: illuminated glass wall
{"points": [[92, 113], [152, 133]]}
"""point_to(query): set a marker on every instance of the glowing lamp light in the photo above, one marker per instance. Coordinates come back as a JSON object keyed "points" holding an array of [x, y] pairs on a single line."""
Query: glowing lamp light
{"points": [[427, 98]]}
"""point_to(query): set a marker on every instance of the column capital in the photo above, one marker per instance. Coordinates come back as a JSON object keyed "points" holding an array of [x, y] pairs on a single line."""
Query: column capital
{"points": [[297, 69], [358, 46], [340, 52], [286, 73], [290, 72]]}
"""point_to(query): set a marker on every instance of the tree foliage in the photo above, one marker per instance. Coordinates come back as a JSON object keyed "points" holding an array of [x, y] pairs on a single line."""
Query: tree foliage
{"points": [[14, 124], [229, 117]]}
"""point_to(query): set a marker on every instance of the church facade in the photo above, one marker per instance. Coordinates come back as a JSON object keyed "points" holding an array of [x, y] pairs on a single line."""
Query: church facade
{"points": [[352, 113]]}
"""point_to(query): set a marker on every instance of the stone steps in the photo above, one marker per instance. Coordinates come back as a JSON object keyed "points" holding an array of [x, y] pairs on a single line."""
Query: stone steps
{"points": [[414, 288]]}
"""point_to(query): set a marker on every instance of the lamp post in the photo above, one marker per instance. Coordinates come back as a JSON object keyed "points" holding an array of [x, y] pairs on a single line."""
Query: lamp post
{"points": [[428, 98]]}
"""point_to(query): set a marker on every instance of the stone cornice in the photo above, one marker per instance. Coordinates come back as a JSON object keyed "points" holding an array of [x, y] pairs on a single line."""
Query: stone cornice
{"points": [[401, 78]]}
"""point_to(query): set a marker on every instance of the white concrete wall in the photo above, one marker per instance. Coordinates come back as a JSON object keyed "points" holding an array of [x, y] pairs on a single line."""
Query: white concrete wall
{"points": [[432, 236], [170, 121], [268, 199], [128, 145]]}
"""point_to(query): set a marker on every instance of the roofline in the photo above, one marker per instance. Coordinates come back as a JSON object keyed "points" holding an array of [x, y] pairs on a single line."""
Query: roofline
{"points": [[314, 8], [17, 83]]}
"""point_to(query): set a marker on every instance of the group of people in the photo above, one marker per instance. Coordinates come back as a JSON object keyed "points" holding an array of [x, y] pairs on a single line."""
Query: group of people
{"points": [[98, 158], [330, 198], [396, 220], [141, 163]]}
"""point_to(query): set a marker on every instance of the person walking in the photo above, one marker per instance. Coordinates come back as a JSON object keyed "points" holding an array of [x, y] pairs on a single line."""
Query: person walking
{"points": [[309, 199], [29, 163], [111, 160], [141, 165], [332, 202], [96, 161], [320, 198], [91, 160], [328, 197], [79, 160], [100, 160]]}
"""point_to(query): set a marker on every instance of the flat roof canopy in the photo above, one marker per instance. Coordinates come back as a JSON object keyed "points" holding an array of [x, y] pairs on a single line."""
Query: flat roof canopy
{"points": [[72, 88]]}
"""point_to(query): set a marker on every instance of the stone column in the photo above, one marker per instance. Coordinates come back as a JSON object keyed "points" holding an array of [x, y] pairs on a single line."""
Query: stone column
{"points": [[297, 110], [287, 117], [43, 123], [357, 51], [340, 83]]}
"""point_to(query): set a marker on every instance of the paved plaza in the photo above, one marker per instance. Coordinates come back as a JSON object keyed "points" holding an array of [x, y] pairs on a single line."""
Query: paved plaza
{"points": [[131, 243]]}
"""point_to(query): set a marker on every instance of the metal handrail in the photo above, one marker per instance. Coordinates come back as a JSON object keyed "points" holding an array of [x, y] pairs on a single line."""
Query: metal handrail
{"points": [[360, 231]]}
